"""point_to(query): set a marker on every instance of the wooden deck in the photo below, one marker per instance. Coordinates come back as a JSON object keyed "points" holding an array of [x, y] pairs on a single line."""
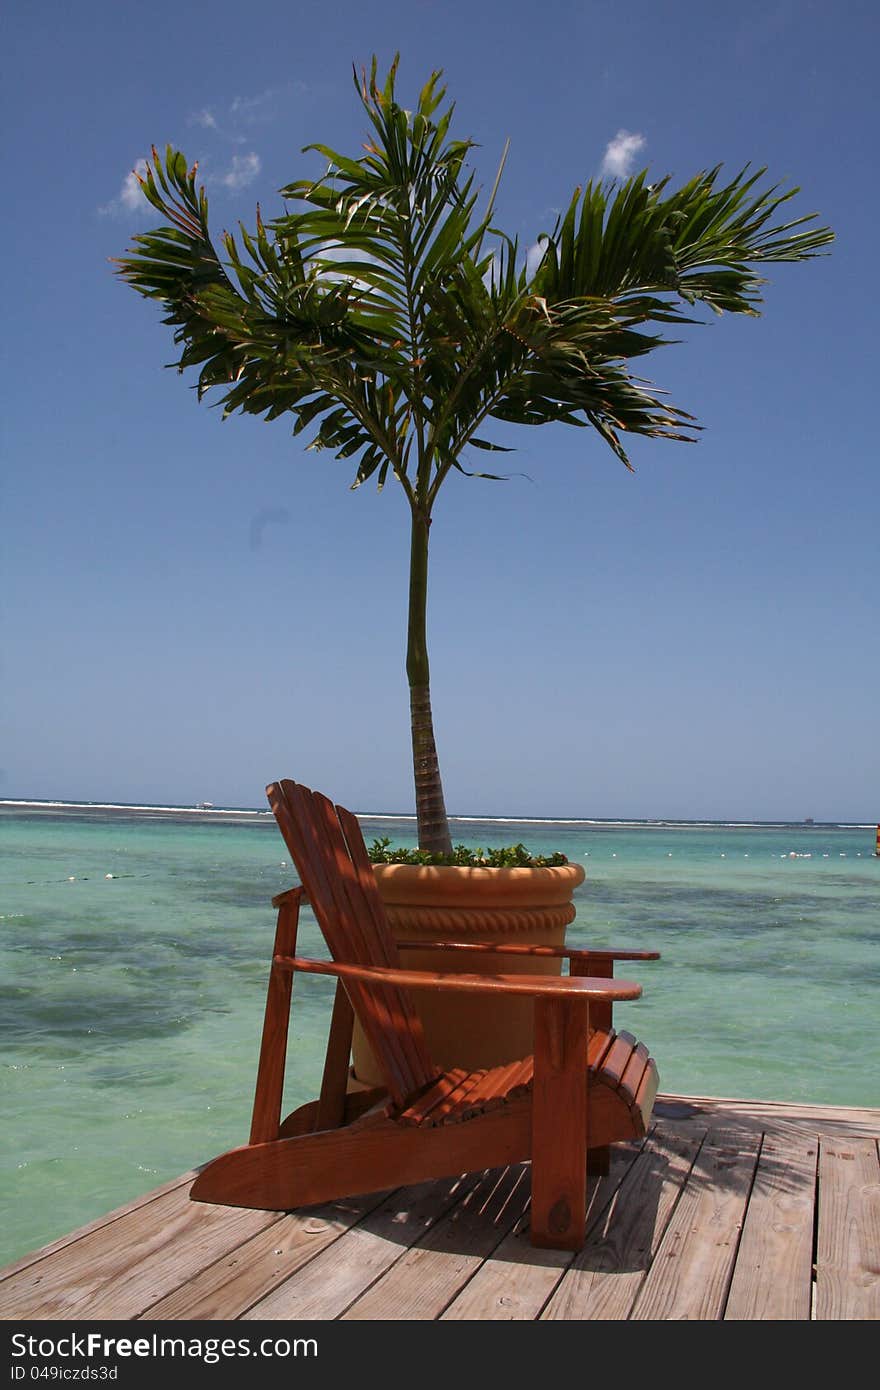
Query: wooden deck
{"points": [[729, 1209]]}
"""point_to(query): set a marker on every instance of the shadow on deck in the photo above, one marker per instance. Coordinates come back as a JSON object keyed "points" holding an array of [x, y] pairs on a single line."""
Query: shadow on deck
{"points": [[729, 1209]]}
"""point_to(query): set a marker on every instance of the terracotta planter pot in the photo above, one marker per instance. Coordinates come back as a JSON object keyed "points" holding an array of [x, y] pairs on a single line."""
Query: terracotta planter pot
{"points": [[430, 903]]}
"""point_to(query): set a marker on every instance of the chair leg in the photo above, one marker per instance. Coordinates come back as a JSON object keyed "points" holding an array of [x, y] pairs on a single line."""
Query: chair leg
{"points": [[598, 1160], [273, 1048], [331, 1105], [559, 1124]]}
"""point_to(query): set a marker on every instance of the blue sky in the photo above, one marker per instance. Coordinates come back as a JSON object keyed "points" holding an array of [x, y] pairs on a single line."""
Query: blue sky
{"points": [[192, 608]]}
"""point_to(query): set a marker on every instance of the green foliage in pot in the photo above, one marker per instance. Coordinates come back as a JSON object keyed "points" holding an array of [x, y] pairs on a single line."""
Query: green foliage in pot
{"points": [[381, 851]]}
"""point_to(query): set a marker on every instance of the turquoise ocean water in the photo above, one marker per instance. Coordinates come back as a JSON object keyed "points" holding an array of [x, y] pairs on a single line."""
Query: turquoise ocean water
{"points": [[134, 947]]}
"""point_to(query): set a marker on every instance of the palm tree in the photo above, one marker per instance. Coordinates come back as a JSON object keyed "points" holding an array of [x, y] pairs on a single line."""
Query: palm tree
{"points": [[396, 321]]}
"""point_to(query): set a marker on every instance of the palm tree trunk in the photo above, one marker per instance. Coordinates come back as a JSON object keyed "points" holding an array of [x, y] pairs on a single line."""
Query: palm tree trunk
{"points": [[433, 821]]}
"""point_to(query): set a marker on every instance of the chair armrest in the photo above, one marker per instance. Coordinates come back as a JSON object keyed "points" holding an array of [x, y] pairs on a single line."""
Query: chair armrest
{"points": [[599, 989], [290, 895], [555, 952]]}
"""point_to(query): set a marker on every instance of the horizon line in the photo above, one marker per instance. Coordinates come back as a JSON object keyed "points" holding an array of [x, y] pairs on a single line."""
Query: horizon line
{"points": [[208, 809]]}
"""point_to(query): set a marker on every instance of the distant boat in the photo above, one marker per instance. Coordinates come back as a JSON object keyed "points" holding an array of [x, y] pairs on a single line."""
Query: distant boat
{"points": [[204, 806], [808, 820]]}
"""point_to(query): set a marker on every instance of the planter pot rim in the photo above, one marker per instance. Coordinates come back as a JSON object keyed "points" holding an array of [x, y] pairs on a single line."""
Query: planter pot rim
{"points": [[428, 873], [404, 883]]}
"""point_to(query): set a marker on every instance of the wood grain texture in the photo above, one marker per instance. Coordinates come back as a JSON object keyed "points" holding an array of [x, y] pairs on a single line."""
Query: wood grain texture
{"points": [[253, 1269], [770, 1116], [848, 1238], [538, 986], [559, 1124], [269, 1089], [317, 846], [606, 1277], [601, 968], [517, 1280], [334, 1082], [331, 1282], [128, 1265], [691, 1270], [772, 1277], [432, 1273], [53, 1246], [320, 1167], [513, 1284]]}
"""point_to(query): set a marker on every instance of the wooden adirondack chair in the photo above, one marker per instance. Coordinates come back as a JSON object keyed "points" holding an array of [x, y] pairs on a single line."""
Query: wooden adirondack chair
{"points": [[584, 1088]]}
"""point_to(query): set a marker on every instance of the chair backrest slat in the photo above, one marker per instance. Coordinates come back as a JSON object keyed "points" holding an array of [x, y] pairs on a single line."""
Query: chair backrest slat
{"points": [[327, 847], [411, 1032], [352, 933]]}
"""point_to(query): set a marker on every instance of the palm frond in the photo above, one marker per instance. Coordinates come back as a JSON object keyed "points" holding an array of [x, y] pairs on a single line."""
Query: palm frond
{"points": [[391, 319]]}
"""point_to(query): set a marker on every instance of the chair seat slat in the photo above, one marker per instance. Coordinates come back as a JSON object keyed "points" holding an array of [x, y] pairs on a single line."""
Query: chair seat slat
{"points": [[444, 1085], [635, 1070], [615, 1062], [613, 1059]]}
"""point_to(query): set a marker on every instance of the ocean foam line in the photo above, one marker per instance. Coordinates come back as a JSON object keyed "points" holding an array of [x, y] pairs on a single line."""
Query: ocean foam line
{"points": [[649, 823], [129, 806]]}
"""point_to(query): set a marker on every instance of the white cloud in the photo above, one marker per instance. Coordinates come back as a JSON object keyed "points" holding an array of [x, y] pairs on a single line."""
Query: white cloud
{"points": [[535, 255], [335, 251], [265, 105], [242, 171], [493, 274], [338, 251], [205, 118], [130, 197], [620, 154], [254, 108]]}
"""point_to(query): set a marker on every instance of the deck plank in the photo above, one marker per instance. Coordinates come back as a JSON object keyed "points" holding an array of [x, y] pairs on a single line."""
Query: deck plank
{"points": [[234, 1283], [431, 1274], [689, 1275], [848, 1243], [604, 1280], [772, 1278], [331, 1282], [513, 1284], [769, 1116], [119, 1270], [516, 1281]]}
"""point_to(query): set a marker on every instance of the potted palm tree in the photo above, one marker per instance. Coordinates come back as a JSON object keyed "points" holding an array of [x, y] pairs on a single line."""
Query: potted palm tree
{"points": [[389, 316]]}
